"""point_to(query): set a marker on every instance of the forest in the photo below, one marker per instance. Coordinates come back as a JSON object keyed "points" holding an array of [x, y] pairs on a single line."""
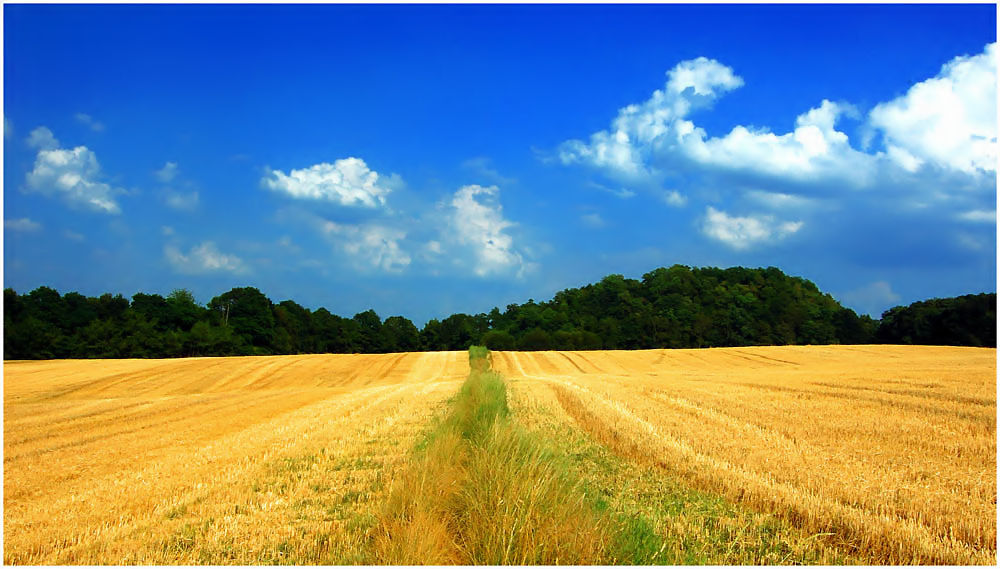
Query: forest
{"points": [[676, 307]]}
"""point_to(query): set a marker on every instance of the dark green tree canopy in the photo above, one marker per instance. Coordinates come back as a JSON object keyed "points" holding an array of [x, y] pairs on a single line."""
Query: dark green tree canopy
{"points": [[674, 307]]}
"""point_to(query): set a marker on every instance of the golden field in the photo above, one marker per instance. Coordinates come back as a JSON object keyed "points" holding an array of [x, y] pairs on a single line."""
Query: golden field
{"points": [[885, 454], [208, 460]]}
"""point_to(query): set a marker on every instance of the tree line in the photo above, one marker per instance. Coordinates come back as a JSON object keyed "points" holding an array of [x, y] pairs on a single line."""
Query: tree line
{"points": [[676, 307]]}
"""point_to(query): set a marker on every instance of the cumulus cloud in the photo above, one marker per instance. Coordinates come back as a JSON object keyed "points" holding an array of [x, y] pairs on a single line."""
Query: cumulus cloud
{"points": [[347, 182], [89, 121], [745, 232], [949, 120], [814, 150], [167, 173], [624, 149], [42, 139], [22, 225], [203, 258], [371, 245], [73, 175], [478, 223]]}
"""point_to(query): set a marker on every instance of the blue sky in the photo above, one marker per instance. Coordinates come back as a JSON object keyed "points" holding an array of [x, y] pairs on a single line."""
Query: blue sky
{"points": [[426, 160]]}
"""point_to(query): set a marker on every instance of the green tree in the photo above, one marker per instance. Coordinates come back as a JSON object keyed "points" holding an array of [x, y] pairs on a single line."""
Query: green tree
{"points": [[369, 326], [499, 340], [400, 334], [536, 339], [248, 312]]}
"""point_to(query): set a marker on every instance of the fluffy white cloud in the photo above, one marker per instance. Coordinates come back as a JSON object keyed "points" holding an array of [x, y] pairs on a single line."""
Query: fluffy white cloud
{"points": [[70, 174], [203, 258], [167, 173], [23, 225], [89, 121], [949, 120], [625, 148], [371, 245], [42, 139], [815, 149], [348, 182], [704, 76], [745, 232], [478, 223]]}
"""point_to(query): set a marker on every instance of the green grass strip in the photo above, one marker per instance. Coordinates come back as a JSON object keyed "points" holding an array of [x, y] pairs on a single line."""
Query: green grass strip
{"points": [[483, 491]]}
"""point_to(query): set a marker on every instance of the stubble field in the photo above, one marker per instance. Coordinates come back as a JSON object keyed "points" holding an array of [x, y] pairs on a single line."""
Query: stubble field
{"points": [[880, 454]]}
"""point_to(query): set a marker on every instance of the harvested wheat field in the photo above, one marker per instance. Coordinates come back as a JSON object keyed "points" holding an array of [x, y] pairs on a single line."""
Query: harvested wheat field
{"points": [[885, 452], [798, 454], [239, 460]]}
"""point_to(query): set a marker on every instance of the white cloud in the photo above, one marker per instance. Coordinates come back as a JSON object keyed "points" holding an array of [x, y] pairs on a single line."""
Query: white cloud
{"points": [[979, 216], [704, 76], [674, 198], [478, 222], [8, 129], [745, 232], [203, 258], [167, 173], [181, 201], [638, 128], [949, 120], [593, 220], [644, 134], [814, 150], [22, 225], [371, 245], [779, 200], [89, 121], [42, 139], [348, 182], [70, 174], [166, 230]]}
